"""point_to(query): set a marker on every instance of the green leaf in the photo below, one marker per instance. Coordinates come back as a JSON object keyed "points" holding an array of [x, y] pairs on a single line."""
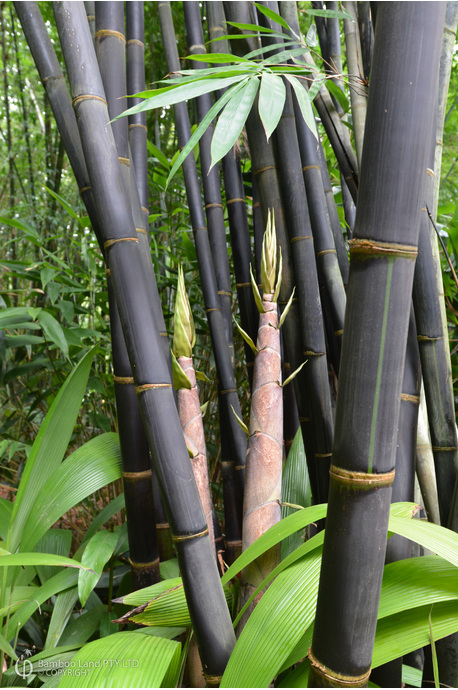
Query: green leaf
{"points": [[232, 120], [285, 311], [295, 488], [294, 374], [124, 659], [437, 539], [86, 470], [7, 648], [338, 94], [180, 379], [81, 628], [181, 92], [49, 446], [53, 330], [97, 553], [64, 605], [20, 225], [256, 295], [272, 95], [202, 376], [202, 127], [215, 58], [246, 338], [333, 14], [56, 541], [105, 514], [14, 315], [240, 422], [270, 14], [64, 204], [24, 559], [304, 103], [157, 153]]}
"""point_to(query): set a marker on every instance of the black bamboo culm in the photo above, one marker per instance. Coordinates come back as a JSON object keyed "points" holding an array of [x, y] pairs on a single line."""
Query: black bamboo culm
{"points": [[207, 606], [236, 207], [135, 58], [223, 362], [383, 254], [136, 465], [211, 178], [90, 14], [435, 359], [366, 35]]}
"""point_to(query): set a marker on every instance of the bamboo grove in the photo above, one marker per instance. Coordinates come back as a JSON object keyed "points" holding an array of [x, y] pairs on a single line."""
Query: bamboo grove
{"points": [[308, 140]]}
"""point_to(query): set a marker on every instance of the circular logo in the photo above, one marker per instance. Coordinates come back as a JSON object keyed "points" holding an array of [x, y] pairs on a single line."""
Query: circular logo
{"points": [[26, 669]]}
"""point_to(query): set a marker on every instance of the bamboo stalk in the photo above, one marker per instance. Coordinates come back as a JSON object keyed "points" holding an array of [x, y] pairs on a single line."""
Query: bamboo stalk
{"points": [[425, 464], [383, 255], [366, 35], [206, 602], [358, 95]]}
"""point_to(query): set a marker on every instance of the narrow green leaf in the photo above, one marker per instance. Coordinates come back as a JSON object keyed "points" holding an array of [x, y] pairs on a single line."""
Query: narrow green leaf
{"points": [[294, 374], [215, 58], [24, 559], [268, 49], [20, 225], [13, 315], [240, 422], [304, 103], [250, 27], [53, 330], [437, 539], [333, 14], [71, 212], [157, 153], [286, 309], [272, 95], [270, 14], [202, 376], [97, 553], [433, 652], [257, 296], [179, 93], [202, 127], [246, 338], [411, 676], [284, 56], [124, 659], [7, 648], [338, 94], [232, 120], [105, 514], [50, 445], [295, 489], [203, 409]]}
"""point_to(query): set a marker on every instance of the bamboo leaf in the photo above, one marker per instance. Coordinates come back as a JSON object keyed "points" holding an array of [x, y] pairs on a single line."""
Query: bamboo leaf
{"points": [[433, 652], [7, 648], [294, 374], [241, 423], [180, 379], [202, 127], [157, 153], [202, 376], [136, 661], [270, 14], [338, 94], [284, 56], [268, 49], [295, 488], [215, 58], [246, 338], [50, 445], [437, 539], [286, 309], [98, 551], [304, 103], [232, 120], [178, 93], [25, 559], [257, 296], [333, 14], [203, 409], [53, 330], [272, 95]]}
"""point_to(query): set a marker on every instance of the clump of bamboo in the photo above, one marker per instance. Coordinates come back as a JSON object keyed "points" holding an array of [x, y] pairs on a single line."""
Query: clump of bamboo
{"points": [[262, 495], [185, 382]]}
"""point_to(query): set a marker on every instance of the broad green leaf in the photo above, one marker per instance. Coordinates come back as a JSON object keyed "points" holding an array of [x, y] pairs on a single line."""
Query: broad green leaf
{"points": [[177, 94], [26, 558], [180, 379], [333, 14], [20, 225], [56, 541], [53, 330], [169, 633], [338, 94], [97, 553], [284, 56], [295, 488], [7, 648], [64, 605], [6, 508], [157, 153], [63, 580], [304, 103], [437, 539], [215, 58], [49, 446], [124, 659], [285, 610], [202, 127], [270, 14], [83, 626], [13, 315], [86, 470], [21, 340], [272, 95], [105, 514], [412, 676], [14, 597], [232, 120]]}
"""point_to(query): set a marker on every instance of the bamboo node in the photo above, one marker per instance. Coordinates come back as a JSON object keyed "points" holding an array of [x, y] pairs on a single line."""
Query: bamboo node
{"points": [[85, 189], [376, 248], [213, 681], [142, 231], [197, 45], [186, 537], [337, 679], [162, 525], [124, 161], [151, 386], [239, 467], [310, 167], [228, 390], [107, 272], [225, 292], [310, 353], [257, 204], [199, 227], [123, 379], [103, 33], [410, 398], [136, 42], [90, 17], [430, 172], [448, 449], [326, 251], [338, 333], [110, 243], [213, 205], [323, 455], [87, 97], [163, 334], [240, 285], [301, 237], [137, 475], [234, 201], [144, 566], [227, 463], [364, 479], [212, 309], [267, 167], [428, 338], [304, 419], [137, 124]]}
